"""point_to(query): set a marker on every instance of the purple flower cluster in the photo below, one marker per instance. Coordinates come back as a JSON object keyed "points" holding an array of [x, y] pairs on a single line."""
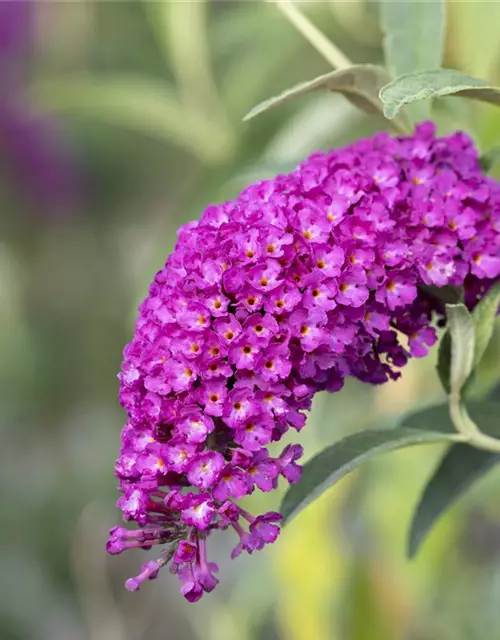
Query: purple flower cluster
{"points": [[301, 281]]}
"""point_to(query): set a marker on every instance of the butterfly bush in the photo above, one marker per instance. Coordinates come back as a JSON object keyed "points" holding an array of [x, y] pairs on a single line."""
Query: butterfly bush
{"points": [[301, 281]]}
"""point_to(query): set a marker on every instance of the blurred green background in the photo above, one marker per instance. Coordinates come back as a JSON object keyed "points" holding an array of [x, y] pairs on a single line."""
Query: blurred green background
{"points": [[118, 122]]}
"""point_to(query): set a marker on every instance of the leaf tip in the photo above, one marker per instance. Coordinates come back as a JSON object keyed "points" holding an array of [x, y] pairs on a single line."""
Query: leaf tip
{"points": [[254, 111], [285, 510], [249, 116], [390, 112], [412, 546]]}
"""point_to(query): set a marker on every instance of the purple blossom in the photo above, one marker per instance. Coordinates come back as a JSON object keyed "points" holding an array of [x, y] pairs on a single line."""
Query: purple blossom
{"points": [[264, 530], [195, 426], [149, 572], [302, 281], [178, 454], [241, 405], [263, 471], [185, 553], [198, 511], [287, 465], [233, 483], [203, 470], [254, 433]]}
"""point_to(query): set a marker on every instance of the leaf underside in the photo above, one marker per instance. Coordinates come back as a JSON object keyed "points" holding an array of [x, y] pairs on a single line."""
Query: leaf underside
{"points": [[360, 84], [483, 317], [413, 39], [434, 83]]}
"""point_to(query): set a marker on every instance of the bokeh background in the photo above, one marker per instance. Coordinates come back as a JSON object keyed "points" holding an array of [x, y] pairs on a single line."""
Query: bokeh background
{"points": [[118, 122]]}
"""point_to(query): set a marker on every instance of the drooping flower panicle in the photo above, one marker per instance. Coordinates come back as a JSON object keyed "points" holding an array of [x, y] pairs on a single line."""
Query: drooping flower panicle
{"points": [[301, 281]]}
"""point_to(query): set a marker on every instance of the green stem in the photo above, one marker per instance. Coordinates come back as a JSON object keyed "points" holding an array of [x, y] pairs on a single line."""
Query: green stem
{"points": [[468, 429], [311, 33]]}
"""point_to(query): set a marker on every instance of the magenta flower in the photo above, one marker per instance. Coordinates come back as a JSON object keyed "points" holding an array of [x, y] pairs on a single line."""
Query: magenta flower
{"points": [[300, 282], [203, 470], [233, 483]]}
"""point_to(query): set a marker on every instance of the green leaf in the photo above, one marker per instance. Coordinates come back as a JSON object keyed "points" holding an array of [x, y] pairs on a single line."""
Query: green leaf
{"points": [[461, 328], [360, 84], [489, 159], [339, 459], [444, 361], [421, 85], [447, 295], [459, 468], [413, 37], [468, 352], [483, 317]]}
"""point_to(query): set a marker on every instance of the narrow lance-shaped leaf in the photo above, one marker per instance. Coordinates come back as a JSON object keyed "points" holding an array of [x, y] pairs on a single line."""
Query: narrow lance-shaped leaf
{"points": [[360, 84], [413, 35], [413, 38], [444, 361], [483, 317], [461, 329], [422, 85], [470, 352], [462, 333], [446, 295], [459, 468], [339, 459]]}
